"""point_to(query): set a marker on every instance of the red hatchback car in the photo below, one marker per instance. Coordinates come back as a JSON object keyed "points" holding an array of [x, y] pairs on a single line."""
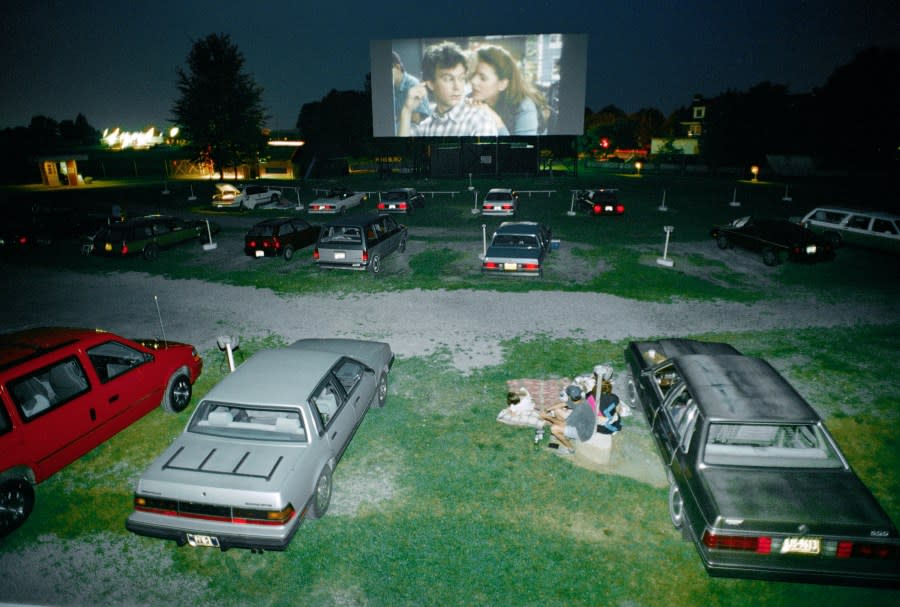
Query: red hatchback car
{"points": [[64, 391]]}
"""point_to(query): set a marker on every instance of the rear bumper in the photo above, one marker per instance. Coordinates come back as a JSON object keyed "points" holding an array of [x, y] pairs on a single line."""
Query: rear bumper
{"points": [[226, 541], [360, 266]]}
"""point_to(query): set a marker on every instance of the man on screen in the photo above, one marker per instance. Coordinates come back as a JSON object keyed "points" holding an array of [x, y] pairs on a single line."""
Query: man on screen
{"points": [[444, 71], [402, 83]]}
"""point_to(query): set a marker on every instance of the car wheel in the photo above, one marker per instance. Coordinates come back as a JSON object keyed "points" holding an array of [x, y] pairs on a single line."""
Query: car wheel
{"points": [[375, 264], [288, 253], [770, 257], [381, 390], [178, 393], [722, 242], [676, 506], [322, 496], [630, 390], [402, 247], [151, 251], [16, 504]]}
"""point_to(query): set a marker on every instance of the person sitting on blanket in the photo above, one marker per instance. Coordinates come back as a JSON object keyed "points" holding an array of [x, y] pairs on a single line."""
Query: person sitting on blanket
{"points": [[604, 403], [580, 423]]}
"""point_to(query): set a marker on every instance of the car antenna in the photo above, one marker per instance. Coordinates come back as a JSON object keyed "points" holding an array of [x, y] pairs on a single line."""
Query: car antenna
{"points": [[159, 315]]}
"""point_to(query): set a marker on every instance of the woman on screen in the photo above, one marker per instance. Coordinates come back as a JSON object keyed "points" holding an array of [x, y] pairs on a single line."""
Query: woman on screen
{"points": [[498, 83]]}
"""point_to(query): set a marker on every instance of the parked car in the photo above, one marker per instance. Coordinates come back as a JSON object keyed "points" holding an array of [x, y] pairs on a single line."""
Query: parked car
{"points": [[518, 248], [500, 201], [64, 391], [359, 242], [279, 236], [147, 235], [258, 454], [337, 202], [600, 201], [873, 229], [228, 196], [775, 239], [401, 200], [756, 481]]}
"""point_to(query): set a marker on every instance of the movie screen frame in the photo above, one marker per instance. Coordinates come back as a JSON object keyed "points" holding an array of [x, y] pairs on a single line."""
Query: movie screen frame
{"points": [[542, 93]]}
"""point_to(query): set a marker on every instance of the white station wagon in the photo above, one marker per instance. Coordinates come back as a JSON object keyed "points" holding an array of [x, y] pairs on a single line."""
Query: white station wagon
{"points": [[853, 226]]}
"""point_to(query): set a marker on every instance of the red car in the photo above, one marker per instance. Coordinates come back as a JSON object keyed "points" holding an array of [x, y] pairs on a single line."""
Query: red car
{"points": [[64, 391]]}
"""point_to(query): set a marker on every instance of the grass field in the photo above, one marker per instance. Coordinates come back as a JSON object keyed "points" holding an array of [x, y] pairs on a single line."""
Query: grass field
{"points": [[435, 502]]}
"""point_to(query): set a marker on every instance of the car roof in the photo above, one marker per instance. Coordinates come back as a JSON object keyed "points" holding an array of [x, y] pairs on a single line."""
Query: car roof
{"points": [[500, 190], [742, 388], [681, 347], [273, 221], [283, 376], [878, 214], [519, 227], [24, 345], [356, 219]]}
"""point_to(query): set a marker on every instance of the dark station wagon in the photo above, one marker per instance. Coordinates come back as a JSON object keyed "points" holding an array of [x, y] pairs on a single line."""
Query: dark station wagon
{"points": [[775, 239], [146, 236], [359, 242], [757, 482]]}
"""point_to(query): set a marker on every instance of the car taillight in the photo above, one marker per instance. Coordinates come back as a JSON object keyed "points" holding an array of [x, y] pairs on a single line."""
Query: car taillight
{"points": [[124, 249], [226, 514], [491, 265], [530, 266], [597, 209], [381, 206], [847, 549], [620, 208], [276, 243], [507, 207], [316, 253], [251, 244], [23, 240], [402, 205], [365, 256], [759, 544]]}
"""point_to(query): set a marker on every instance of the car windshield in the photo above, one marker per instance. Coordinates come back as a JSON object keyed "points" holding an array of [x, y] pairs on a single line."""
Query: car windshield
{"points": [[515, 240], [342, 234], [229, 420], [770, 446]]}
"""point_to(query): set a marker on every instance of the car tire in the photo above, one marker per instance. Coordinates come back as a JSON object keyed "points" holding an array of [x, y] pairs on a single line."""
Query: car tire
{"points": [[16, 504], [381, 390], [402, 246], [288, 253], [676, 506], [630, 390], [322, 495], [151, 251], [375, 264], [770, 257], [722, 242], [178, 393]]}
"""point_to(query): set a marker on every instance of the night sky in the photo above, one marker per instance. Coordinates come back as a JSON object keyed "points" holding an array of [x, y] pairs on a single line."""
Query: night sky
{"points": [[115, 62]]}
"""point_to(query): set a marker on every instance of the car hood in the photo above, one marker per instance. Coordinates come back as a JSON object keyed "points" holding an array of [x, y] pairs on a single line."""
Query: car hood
{"points": [[826, 501], [205, 468]]}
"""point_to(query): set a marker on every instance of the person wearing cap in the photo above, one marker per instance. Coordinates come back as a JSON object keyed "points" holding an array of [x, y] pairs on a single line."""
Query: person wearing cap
{"points": [[580, 424]]}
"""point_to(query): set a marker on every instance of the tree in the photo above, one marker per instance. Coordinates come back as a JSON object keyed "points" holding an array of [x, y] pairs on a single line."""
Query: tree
{"points": [[219, 109]]}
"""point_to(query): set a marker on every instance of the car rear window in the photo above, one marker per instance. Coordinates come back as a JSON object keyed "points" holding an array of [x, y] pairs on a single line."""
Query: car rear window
{"points": [[261, 231], [498, 196], [229, 420], [394, 196], [341, 234], [770, 446], [515, 240]]}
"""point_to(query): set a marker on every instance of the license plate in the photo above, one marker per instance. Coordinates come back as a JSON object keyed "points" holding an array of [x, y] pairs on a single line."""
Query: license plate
{"points": [[340, 256], [608, 209], [801, 545], [811, 249], [260, 253], [510, 267], [202, 541], [107, 247], [392, 206]]}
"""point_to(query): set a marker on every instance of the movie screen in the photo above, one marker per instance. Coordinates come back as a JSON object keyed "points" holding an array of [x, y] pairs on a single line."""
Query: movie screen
{"points": [[479, 86]]}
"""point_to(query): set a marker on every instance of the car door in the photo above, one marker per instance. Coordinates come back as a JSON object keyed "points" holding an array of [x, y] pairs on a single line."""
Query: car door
{"points": [[390, 234], [127, 386], [338, 420], [57, 416]]}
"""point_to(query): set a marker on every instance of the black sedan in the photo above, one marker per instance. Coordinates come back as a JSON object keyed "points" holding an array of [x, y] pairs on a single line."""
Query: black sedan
{"points": [[775, 239], [518, 248], [600, 201], [757, 482], [279, 236]]}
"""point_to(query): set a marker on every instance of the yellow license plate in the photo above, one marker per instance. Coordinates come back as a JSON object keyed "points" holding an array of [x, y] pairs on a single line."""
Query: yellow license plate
{"points": [[510, 267], [801, 545]]}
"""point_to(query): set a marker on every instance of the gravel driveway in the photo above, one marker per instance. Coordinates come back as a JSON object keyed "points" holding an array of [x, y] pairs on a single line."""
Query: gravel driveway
{"points": [[469, 324]]}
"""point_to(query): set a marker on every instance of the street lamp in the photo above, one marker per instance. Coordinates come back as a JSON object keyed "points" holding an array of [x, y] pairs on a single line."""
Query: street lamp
{"points": [[638, 166], [755, 171]]}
